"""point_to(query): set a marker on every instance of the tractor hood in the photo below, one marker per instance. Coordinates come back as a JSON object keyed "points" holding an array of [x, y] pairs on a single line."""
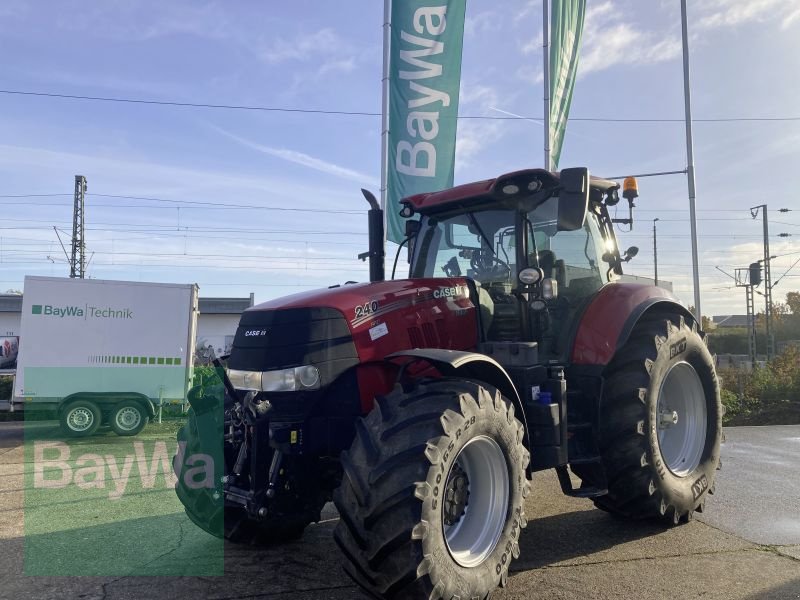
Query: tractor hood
{"points": [[343, 325]]}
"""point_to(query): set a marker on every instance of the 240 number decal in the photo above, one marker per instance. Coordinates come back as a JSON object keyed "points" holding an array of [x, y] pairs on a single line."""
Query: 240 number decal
{"points": [[366, 309]]}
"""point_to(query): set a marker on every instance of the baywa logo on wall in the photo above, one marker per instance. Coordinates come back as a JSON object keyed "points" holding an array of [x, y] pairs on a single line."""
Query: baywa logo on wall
{"points": [[83, 312]]}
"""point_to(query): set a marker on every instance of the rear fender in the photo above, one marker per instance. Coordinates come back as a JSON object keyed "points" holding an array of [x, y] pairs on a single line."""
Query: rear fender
{"points": [[612, 316]]}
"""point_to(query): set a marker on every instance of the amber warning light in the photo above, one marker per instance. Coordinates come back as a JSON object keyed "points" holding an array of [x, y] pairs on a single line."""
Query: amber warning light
{"points": [[630, 188]]}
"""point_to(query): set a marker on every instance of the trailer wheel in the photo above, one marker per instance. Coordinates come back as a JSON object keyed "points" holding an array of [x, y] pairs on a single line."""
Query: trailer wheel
{"points": [[80, 418], [128, 418], [431, 501], [660, 423]]}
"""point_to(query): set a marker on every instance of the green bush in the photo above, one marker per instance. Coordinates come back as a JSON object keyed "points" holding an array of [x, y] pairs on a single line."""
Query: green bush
{"points": [[736, 406], [764, 389], [5, 387]]}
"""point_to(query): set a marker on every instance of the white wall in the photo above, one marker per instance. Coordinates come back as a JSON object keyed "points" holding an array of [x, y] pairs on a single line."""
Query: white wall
{"points": [[214, 329], [9, 323]]}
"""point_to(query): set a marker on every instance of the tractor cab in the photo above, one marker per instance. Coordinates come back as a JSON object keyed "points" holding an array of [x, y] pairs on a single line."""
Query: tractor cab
{"points": [[538, 247]]}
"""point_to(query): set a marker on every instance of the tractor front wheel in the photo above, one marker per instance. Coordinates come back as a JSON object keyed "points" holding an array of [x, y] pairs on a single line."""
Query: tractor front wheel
{"points": [[660, 423], [431, 502]]}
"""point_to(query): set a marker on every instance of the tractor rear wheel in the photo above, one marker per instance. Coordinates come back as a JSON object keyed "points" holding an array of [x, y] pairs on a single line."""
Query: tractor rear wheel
{"points": [[660, 423], [431, 501]]}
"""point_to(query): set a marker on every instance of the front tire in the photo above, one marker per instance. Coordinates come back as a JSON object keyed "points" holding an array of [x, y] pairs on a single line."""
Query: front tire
{"points": [[661, 423], [431, 502]]}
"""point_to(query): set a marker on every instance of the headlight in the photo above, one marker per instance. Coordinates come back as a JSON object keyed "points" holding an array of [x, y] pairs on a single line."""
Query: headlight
{"points": [[284, 380], [530, 276]]}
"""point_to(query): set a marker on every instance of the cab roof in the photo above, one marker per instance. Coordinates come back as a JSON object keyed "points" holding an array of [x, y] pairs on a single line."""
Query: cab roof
{"points": [[529, 181]]}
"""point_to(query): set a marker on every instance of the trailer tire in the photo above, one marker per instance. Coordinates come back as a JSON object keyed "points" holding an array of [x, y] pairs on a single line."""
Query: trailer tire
{"points": [[80, 418], [432, 497], [660, 423], [128, 418]]}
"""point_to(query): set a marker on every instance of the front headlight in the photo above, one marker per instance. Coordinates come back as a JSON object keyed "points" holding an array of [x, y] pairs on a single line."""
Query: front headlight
{"points": [[284, 380]]}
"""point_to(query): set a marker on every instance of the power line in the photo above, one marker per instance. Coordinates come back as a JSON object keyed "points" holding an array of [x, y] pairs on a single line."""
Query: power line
{"points": [[360, 113], [199, 203], [224, 204]]}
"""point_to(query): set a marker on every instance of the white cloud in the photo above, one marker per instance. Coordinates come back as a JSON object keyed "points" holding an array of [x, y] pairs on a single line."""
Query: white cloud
{"points": [[731, 13], [142, 21], [609, 41], [483, 22], [529, 8], [474, 135], [304, 47], [305, 160], [534, 44], [530, 74]]}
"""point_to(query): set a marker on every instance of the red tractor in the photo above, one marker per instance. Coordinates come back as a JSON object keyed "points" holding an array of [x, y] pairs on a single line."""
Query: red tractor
{"points": [[423, 406]]}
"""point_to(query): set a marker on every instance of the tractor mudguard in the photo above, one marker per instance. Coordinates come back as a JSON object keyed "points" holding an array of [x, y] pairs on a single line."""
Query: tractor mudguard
{"points": [[610, 318], [471, 365]]}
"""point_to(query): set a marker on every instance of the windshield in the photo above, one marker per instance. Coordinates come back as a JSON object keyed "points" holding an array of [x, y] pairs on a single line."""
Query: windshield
{"points": [[492, 246], [479, 245], [482, 245]]}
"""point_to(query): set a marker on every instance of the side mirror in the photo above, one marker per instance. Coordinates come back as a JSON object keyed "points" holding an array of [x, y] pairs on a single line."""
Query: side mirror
{"points": [[573, 199], [630, 253], [412, 229]]}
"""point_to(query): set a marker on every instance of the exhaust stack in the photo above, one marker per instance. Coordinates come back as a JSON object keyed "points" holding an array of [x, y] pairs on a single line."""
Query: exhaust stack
{"points": [[376, 253]]}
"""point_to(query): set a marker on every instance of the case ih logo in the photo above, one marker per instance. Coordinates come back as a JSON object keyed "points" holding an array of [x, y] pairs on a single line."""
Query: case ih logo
{"points": [[450, 292]]}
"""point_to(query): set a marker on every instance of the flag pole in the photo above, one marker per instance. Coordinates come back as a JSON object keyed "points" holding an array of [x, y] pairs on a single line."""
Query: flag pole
{"points": [[687, 96], [387, 29], [546, 80]]}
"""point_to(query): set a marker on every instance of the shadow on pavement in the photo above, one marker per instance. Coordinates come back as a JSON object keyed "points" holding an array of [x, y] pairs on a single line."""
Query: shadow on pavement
{"points": [[787, 591], [550, 540]]}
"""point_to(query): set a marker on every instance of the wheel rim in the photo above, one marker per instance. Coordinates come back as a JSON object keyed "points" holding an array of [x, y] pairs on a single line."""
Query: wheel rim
{"points": [[682, 419], [80, 418], [476, 499], [128, 418]]}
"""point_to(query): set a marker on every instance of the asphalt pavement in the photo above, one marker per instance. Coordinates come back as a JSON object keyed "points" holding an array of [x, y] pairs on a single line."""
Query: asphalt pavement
{"points": [[746, 545]]}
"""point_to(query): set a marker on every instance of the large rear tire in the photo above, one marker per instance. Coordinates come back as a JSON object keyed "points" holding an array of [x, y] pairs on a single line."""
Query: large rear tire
{"points": [[660, 423], [431, 501]]}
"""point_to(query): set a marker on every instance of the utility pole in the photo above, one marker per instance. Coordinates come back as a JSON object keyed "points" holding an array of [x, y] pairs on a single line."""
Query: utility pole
{"points": [[687, 100], [749, 278], [548, 160], [77, 261], [767, 278], [655, 251]]}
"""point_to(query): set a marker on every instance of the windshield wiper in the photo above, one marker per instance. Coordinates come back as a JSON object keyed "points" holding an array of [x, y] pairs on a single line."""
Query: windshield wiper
{"points": [[480, 231]]}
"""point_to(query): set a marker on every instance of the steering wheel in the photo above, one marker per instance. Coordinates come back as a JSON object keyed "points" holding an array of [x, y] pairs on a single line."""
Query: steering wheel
{"points": [[489, 266]]}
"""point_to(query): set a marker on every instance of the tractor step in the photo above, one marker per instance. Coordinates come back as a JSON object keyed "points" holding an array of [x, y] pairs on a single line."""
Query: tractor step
{"points": [[576, 426], [581, 492], [591, 460]]}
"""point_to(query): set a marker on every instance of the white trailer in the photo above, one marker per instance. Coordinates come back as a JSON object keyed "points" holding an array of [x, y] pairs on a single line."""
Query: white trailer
{"points": [[105, 352]]}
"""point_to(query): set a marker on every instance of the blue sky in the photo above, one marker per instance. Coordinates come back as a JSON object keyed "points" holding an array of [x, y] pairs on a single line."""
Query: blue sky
{"points": [[327, 55]]}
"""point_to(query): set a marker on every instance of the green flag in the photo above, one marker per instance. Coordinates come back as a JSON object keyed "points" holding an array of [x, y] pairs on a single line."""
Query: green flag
{"points": [[566, 30], [424, 79]]}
